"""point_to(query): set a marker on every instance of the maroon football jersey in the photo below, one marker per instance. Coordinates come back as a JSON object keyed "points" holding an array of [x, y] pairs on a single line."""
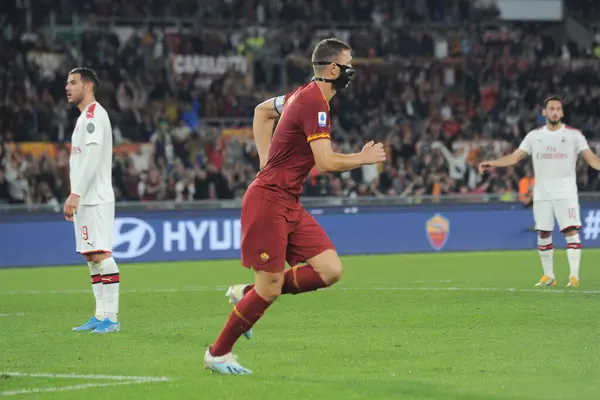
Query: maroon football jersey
{"points": [[305, 118]]}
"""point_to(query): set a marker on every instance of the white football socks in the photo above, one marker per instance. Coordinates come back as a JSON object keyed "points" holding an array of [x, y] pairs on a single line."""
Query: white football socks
{"points": [[110, 288], [546, 252], [97, 289], [574, 254]]}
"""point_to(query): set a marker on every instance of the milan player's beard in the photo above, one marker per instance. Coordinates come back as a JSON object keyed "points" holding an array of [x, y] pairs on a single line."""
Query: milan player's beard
{"points": [[554, 123]]}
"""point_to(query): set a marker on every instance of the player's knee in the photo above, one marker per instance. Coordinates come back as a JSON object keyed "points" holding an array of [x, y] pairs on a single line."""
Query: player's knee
{"points": [[570, 232], [98, 257], [268, 285], [332, 273], [270, 292], [328, 265], [544, 234]]}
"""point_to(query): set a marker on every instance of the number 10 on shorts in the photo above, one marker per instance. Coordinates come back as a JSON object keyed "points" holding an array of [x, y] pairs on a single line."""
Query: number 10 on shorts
{"points": [[572, 212]]}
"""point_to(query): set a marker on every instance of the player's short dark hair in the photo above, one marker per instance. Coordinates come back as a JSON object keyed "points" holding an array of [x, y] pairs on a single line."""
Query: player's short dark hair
{"points": [[329, 49], [87, 75], [551, 98]]}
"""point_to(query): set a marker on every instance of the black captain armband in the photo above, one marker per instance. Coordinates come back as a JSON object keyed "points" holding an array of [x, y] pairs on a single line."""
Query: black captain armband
{"points": [[278, 104]]}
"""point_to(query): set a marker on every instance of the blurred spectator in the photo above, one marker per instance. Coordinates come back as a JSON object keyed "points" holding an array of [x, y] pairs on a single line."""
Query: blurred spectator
{"points": [[18, 189], [4, 194]]}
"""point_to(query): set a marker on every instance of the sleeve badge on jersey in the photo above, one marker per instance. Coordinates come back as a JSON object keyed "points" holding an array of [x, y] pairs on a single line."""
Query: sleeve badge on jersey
{"points": [[322, 119], [90, 128]]}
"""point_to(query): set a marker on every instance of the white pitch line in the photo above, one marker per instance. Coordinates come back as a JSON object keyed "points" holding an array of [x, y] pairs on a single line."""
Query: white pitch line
{"points": [[117, 381], [86, 376], [393, 289], [66, 388], [469, 289], [20, 314], [148, 290]]}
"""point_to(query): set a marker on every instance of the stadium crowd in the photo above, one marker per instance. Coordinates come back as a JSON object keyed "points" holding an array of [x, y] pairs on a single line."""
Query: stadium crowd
{"points": [[440, 96]]}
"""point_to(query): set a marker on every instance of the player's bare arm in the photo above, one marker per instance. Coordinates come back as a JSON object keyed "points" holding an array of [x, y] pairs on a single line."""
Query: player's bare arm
{"points": [[591, 159], [329, 161], [265, 115], [507, 161]]}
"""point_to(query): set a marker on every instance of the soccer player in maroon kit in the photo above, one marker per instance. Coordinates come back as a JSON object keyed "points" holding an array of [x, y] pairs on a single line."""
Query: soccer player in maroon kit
{"points": [[275, 226]]}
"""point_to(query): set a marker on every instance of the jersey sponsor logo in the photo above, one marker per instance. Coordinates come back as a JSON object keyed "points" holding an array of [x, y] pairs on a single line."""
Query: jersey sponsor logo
{"points": [[438, 231], [132, 238], [90, 128], [551, 153], [90, 111], [322, 117]]}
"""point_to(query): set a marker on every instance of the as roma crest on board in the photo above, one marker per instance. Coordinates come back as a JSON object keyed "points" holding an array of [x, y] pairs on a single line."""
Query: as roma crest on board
{"points": [[438, 231]]}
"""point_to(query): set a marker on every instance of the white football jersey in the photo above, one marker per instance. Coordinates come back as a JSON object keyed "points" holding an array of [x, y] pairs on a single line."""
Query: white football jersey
{"points": [[554, 155], [93, 128]]}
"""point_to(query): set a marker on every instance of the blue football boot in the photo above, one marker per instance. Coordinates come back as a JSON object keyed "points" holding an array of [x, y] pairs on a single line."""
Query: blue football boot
{"points": [[107, 326], [90, 325]]}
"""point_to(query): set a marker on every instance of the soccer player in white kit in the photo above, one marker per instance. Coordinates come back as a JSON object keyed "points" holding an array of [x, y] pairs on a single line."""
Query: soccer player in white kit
{"points": [[91, 204], [554, 149]]}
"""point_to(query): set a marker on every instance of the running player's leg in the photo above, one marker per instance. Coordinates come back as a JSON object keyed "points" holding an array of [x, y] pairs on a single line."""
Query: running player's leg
{"points": [[264, 242], [544, 225], [567, 215]]}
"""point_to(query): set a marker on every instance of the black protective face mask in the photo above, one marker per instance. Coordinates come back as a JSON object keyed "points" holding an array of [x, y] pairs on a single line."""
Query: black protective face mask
{"points": [[342, 81]]}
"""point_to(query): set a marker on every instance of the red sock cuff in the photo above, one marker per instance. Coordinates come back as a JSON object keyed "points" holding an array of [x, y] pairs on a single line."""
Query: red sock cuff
{"points": [[111, 278], [97, 278], [251, 307]]}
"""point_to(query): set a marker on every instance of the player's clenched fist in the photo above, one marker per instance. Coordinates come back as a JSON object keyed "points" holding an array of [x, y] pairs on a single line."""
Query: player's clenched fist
{"points": [[373, 152], [71, 206], [484, 166]]}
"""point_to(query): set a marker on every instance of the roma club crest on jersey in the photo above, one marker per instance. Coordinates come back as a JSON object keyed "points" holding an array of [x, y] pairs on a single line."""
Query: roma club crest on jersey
{"points": [[438, 231]]}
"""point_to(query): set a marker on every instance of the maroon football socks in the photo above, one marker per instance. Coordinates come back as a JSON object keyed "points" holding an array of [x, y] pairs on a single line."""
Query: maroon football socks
{"points": [[252, 307], [244, 315], [299, 280]]}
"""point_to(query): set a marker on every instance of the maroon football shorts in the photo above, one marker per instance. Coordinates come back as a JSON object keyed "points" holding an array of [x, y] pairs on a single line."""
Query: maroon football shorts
{"points": [[273, 233]]}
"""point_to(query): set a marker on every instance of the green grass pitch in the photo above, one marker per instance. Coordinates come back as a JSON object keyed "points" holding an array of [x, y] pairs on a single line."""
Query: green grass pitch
{"points": [[443, 326]]}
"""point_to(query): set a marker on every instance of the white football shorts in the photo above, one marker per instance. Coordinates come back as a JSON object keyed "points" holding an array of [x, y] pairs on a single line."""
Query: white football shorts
{"points": [[94, 227], [565, 211]]}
